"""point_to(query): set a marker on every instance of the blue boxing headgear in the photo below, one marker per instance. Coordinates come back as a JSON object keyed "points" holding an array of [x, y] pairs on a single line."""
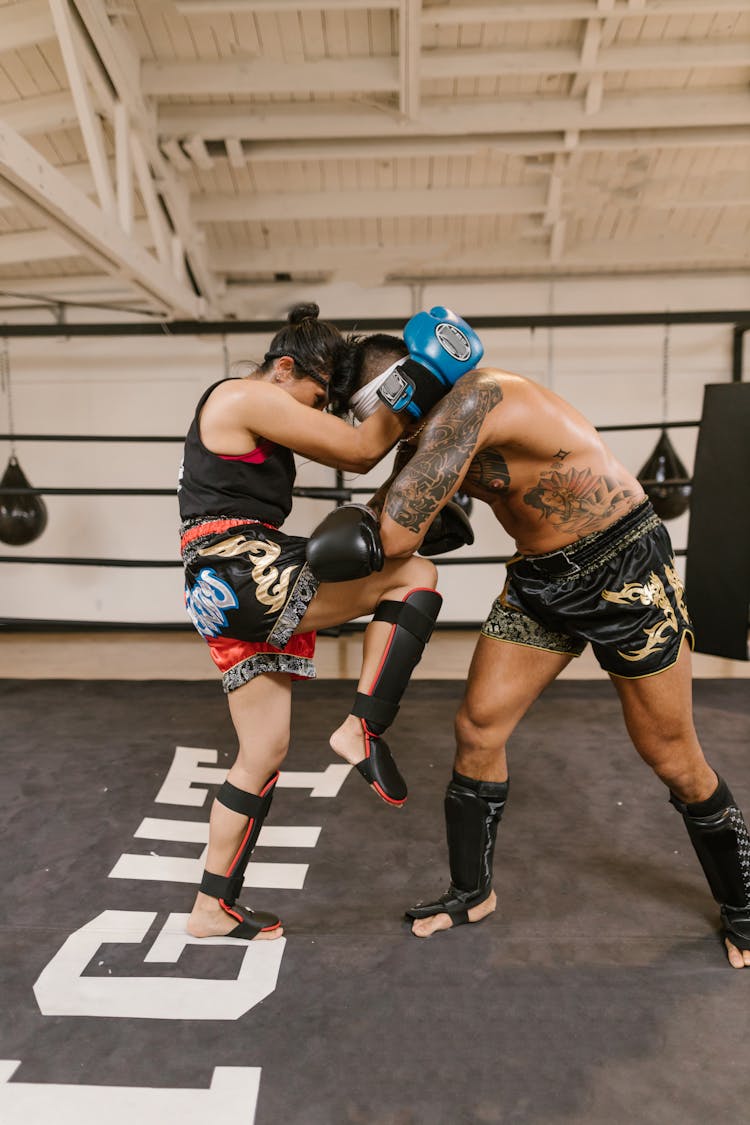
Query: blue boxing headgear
{"points": [[442, 348]]}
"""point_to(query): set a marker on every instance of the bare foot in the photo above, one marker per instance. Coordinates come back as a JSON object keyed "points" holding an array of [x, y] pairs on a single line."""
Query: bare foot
{"points": [[738, 958], [207, 921], [425, 927], [348, 741]]}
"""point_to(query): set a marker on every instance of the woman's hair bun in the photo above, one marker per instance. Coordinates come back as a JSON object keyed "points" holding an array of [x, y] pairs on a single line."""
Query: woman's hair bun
{"points": [[303, 312]]}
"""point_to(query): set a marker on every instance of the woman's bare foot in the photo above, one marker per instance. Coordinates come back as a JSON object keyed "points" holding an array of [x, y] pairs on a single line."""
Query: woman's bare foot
{"points": [[208, 920], [425, 927], [738, 958], [348, 741]]}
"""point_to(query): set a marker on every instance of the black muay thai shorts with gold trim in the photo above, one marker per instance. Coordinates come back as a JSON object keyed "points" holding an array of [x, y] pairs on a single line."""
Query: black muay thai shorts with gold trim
{"points": [[247, 587], [617, 589]]}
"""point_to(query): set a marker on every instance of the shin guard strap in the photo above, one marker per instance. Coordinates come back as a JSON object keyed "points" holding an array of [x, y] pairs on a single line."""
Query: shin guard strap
{"points": [[225, 887], [419, 624], [238, 800], [374, 710], [719, 835]]}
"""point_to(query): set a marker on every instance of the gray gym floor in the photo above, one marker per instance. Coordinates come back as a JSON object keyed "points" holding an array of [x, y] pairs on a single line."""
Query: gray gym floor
{"points": [[598, 993]]}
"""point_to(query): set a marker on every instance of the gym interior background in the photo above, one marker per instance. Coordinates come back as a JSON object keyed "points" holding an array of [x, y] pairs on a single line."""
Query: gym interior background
{"points": [[571, 175]]}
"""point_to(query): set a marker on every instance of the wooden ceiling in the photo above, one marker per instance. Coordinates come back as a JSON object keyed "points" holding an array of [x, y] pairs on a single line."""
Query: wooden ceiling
{"points": [[179, 153]]}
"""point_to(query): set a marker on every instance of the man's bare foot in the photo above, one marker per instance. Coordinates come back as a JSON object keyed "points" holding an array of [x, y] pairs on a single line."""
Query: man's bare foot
{"points": [[215, 922], [348, 741], [738, 958], [425, 927]]}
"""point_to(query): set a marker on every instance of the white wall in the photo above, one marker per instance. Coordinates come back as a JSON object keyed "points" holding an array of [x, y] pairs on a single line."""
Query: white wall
{"points": [[149, 385]]}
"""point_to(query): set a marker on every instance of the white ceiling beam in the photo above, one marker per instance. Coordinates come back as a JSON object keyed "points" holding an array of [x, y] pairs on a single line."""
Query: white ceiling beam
{"points": [[268, 76], [409, 57], [175, 155], [235, 153], [529, 199], [619, 58], [124, 168], [247, 77], [44, 114], [73, 286], [261, 152], [196, 149], [90, 125], [33, 180], [453, 14], [448, 14], [209, 7], [154, 211], [271, 206], [26, 25], [38, 245], [285, 121], [119, 59], [654, 251], [404, 147]]}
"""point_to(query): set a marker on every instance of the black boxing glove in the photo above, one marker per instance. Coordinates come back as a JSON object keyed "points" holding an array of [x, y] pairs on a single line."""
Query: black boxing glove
{"points": [[449, 530], [346, 545]]}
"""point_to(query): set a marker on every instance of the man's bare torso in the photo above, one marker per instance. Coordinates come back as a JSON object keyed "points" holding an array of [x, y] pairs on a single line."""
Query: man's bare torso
{"points": [[544, 470], [538, 463]]}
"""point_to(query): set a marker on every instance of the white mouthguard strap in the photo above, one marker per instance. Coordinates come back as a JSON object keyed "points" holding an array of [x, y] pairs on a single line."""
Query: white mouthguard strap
{"points": [[365, 401]]}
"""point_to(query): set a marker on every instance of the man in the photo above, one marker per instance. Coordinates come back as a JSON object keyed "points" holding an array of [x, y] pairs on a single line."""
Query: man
{"points": [[594, 564]]}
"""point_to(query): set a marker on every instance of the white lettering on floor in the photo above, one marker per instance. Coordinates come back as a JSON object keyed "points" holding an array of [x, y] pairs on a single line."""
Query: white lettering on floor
{"points": [[233, 1094], [62, 990]]}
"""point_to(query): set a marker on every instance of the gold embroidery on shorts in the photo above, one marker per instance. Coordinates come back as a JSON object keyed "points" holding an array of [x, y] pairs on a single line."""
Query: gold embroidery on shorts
{"points": [[271, 588], [648, 593], [679, 589]]}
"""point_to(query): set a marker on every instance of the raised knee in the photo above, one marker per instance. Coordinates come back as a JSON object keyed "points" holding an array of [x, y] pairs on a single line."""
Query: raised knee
{"points": [[421, 572]]}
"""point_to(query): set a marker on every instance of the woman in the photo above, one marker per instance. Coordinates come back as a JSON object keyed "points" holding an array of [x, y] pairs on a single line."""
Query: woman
{"points": [[251, 594]]}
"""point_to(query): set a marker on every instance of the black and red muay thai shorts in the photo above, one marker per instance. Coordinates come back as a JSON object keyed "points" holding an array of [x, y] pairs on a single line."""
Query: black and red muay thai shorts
{"points": [[247, 587]]}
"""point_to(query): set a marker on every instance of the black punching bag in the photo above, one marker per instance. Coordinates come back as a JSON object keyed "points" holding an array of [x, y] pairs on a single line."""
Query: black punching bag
{"points": [[23, 518], [665, 480]]}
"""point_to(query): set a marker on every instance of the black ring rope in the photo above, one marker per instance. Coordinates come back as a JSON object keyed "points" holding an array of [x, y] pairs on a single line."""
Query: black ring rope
{"points": [[304, 492], [155, 438]]}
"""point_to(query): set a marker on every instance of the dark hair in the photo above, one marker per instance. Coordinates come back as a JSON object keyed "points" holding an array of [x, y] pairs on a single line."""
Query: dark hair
{"points": [[313, 344], [359, 361]]}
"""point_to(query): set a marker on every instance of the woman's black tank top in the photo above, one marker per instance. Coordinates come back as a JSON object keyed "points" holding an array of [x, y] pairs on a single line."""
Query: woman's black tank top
{"points": [[209, 485]]}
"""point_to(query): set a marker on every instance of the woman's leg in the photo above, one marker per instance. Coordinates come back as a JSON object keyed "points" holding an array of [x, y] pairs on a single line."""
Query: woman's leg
{"points": [[260, 712], [405, 604]]}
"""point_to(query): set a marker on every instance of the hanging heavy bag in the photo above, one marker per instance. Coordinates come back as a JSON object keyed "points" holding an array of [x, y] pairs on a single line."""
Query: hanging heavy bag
{"points": [[23, 518], [665, 480]]}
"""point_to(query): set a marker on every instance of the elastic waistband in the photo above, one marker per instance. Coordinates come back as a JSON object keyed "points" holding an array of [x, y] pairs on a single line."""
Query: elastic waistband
{"points": [[202, 529], [597, 548]]}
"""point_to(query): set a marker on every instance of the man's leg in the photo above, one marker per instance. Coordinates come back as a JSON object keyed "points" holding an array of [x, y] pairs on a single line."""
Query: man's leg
{"points": [[260, 712], [504, 680], [658, 713], [405, 605]]}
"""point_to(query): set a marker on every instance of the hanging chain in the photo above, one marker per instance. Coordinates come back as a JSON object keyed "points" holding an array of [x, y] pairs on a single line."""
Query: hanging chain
{"points": [[7, 390], [225, 356], [665, 375]]}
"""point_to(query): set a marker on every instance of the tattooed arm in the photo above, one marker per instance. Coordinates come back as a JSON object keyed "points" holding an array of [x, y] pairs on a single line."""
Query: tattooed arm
{"points": [[446, 447], [405, 450]]}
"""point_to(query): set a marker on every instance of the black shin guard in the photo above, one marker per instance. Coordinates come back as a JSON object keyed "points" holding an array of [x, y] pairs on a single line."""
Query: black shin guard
{"points": [[412, 621], [473, 810], [226, 888], [721, 840]]}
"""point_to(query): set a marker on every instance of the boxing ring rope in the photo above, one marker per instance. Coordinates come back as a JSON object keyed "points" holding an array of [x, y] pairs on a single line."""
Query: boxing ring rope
{"points": [[342, 494]]}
